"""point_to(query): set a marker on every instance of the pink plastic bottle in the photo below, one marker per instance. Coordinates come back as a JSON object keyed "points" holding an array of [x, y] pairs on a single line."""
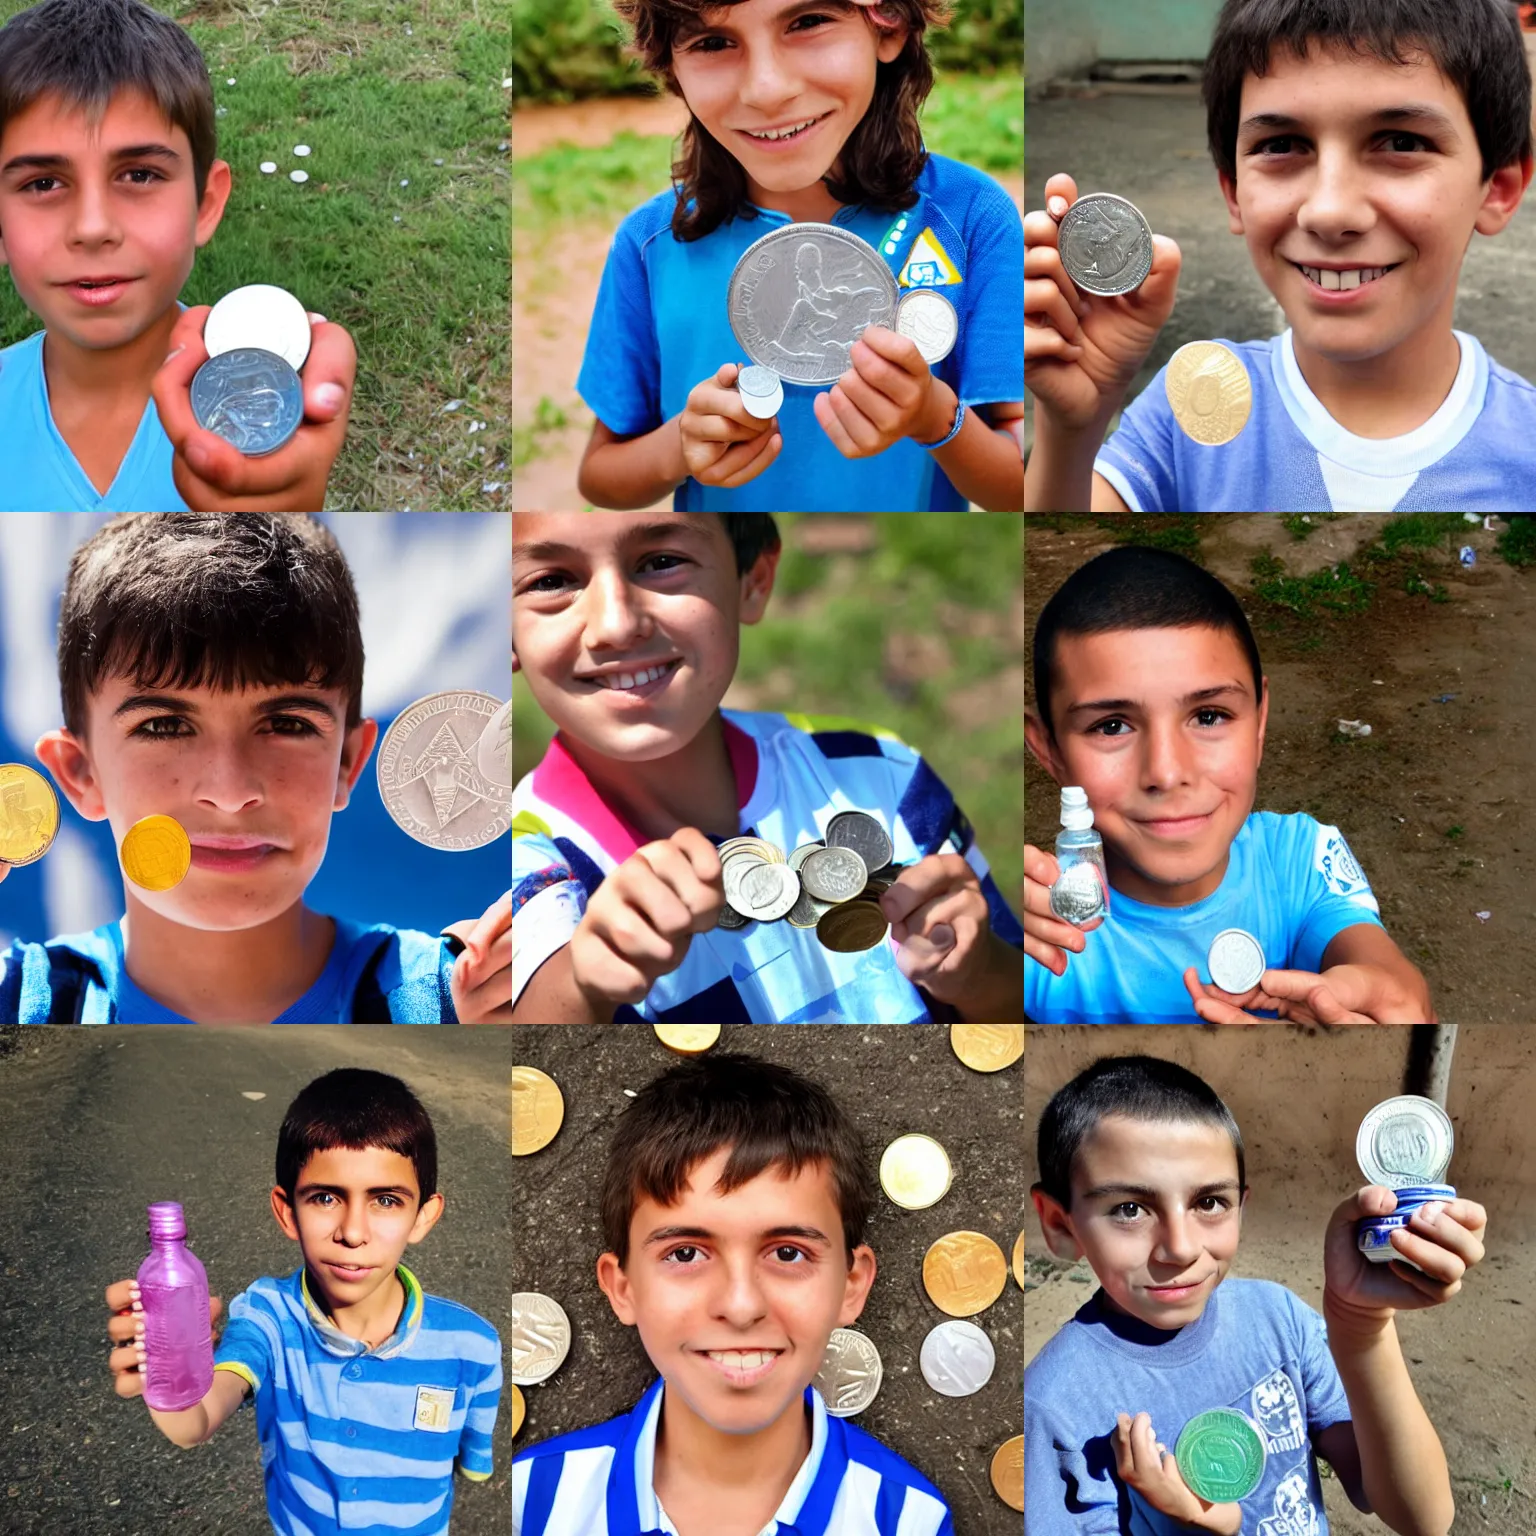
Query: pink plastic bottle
{"points": [[178, 1337]]}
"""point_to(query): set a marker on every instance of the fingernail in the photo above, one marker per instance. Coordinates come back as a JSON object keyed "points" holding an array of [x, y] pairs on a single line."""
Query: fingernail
{"points": [[1431, 1212], [176, 352], [315, 319], [1057, 205], [330, 396], [200, 456]]}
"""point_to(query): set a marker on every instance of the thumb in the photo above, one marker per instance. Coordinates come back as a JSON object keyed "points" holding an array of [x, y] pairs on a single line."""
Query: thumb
{"points": [[1162, 282]]}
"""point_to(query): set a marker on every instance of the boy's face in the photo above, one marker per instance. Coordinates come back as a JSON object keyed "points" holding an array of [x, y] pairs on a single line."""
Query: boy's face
{"points": [[736, 1295], [598, 598], [1371, 165], [253, 777], [1157, 1212], [354, 1213], [82, 203], [1161, 728], [769, 65]]}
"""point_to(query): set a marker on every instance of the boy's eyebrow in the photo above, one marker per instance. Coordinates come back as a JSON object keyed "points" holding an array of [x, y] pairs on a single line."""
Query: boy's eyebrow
{"points": [[695, 25], [341, 1189], [1420, 112], [63, 162], [671, 1234], [553, 549], [282, 704], [1146, 1192], [1198, 696]]}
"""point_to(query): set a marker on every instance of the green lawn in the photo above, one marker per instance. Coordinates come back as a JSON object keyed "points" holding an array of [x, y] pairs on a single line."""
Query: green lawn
{"points": [[400, 234]]}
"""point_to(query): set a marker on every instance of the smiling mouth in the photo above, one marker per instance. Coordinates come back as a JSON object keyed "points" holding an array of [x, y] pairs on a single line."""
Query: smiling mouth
{"points": [[349, 1271], [1174, 826], [742, 1367], [635, 679], [1181, 1288], [1341, 282], [781, 135]]}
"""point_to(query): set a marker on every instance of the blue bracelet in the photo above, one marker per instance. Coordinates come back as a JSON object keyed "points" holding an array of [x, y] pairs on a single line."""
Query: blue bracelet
{"points": [[953, 432]]}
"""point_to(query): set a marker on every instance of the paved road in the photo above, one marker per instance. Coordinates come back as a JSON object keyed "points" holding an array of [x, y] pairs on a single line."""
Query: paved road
{"points": [[96, 1124]]}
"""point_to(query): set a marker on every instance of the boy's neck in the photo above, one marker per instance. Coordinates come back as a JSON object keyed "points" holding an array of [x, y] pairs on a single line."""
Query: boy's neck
{"points": [[813, 203], [701, 1471], [105, 376], [1127, 881], [693, 787], [1389, 395], [371, 1321], [245, 976]]}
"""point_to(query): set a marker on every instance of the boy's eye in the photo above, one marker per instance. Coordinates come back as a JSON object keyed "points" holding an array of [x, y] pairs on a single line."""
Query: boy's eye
{"points": [[146, 172], [162, 727], [655, 565], [550, 581], [1111, 728], [40, 184], [1211, 1205], [1287, 140], [292, 725], [684, 1254], [1211, 716], [787, 1253], [1127, 1210]]}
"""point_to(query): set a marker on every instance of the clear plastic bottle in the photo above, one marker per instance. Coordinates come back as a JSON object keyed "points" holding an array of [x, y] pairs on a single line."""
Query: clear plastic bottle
{"points": [[1080, 895], [178, 1336]]}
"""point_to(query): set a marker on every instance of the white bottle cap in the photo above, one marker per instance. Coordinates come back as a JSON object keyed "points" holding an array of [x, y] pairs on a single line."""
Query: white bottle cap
{"points": [[1075, 813]]}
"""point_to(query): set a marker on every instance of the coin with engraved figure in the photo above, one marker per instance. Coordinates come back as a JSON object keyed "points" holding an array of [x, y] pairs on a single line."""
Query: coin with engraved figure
{"points": [[538, 1108], [429, 778], [541, 1338], [1209, 391], [251, 398], [987, 1047], [850, 1374], [1105, 244], [29, 814], [964, 1273], [957, 1359]]}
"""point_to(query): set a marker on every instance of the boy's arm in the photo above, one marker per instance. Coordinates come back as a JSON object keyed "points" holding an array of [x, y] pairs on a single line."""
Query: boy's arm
{"points": [[626, 473], [192, 1426], [998, 990], [983, 461], [552, 996], [1060, 475], [1402, 994]]}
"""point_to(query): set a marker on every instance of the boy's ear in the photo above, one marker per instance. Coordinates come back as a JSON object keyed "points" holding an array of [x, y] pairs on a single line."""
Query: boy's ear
{"points": [[1263, 715], [1229, 193], [283, 1212], [615, 1285], [757, 585], [1056, 1224], [426, 1218], [355, 752], [1502, 197], [892, 41], [861, 1275], [65, 756], [215, 197], [1042, 747]]}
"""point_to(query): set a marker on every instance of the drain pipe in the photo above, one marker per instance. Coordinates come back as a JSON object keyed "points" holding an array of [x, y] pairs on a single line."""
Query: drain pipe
{"points": [[1430, 1051]]}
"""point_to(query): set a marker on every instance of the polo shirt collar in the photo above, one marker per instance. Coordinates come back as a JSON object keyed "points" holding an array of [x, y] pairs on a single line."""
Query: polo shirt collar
{"points": [[634, 1510], [339, 1343]]}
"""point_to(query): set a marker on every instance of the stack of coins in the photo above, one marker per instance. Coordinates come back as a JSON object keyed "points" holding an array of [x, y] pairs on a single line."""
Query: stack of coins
{"points": [[833, 886], [249, 391], [761, 390], [1404, 1143]]}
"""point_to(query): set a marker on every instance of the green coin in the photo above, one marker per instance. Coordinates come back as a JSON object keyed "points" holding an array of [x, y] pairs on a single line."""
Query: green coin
{"points": [[1221, 1455]]}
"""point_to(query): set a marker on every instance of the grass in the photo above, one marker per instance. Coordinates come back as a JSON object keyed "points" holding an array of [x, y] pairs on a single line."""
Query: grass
{"points": [[418, 273], [1337, 590], [1516, 544], [916, 634]]}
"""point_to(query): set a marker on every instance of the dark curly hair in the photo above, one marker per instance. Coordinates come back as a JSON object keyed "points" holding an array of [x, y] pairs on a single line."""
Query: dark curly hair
{"points": [[878, 166]]}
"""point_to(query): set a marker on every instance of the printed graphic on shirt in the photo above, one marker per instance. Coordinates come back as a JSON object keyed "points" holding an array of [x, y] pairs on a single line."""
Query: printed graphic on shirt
{"points": [[434, 1408], [929, 265], [1340, 869], [1278, 1413], [1293, 1512]]}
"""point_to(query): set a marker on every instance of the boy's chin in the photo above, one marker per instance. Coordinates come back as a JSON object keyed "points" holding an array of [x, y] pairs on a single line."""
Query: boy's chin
{"points": [[228, 913]]}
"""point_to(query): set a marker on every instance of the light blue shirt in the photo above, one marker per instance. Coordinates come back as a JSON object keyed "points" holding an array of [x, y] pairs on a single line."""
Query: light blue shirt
{"points": [[1290, 882], [39, 473]]}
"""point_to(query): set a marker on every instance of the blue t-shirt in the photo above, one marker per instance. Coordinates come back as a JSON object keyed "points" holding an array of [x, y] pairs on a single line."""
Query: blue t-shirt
{"points": [[1255, 1348], [375, 975], [1290, 882], [39, 473], [661, 327], [1472, 455]]}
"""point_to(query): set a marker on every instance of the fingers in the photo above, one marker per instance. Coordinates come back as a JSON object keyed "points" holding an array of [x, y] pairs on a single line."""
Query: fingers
{"points": [[495, 921], [691, 889], [1049, 309], [832, 424], [120, 1295], [896, 351], [1060, 194], [1211, 1006], [746, 461], [1040, 866], [330, 371], [921, 882], [483, 984]]}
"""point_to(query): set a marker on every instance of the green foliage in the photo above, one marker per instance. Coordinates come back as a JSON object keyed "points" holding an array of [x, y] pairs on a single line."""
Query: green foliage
{"points": [[1517, 543], [1420, 530], [1335, 590], [978, 119], [983, 34], [1302, 525], [1179, 532]]}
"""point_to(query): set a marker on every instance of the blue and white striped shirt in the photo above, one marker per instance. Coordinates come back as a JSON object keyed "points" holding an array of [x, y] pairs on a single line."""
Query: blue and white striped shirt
{"points": [[600, 1482], [357, 1439]]}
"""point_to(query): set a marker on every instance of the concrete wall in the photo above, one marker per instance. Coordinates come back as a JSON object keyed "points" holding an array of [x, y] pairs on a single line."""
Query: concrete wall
{"points": [[1063, 37]]}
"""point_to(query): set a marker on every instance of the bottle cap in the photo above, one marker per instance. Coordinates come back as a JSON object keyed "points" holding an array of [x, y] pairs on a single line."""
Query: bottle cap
{"points": [[1405, 1141], [1076, 815], [166, 1219], [1221, 1455]]}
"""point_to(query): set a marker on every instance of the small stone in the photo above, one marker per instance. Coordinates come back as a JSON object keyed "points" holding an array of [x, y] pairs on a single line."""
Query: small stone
{"points": [[299, 176], [437, 162], [230, 81], [268, 167], [405, 181], [506, 84], [301, 149]]}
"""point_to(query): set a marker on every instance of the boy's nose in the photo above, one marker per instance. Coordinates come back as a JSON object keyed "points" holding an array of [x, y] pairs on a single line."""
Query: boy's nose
{"points": [[1163, 763], [740, 1302], [93, 222], [768, 82], [1177, 1242], [613, 618]]}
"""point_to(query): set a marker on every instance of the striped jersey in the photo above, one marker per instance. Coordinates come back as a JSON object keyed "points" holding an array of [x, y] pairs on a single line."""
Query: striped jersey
{"points": [[793, 775], [356, 1439], [600, 1482]]}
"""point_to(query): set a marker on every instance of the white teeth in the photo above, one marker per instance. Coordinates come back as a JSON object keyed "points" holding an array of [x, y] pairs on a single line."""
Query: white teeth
{"points": [[632, 679], [741, 1360], [783, 133], [1354, 278]]}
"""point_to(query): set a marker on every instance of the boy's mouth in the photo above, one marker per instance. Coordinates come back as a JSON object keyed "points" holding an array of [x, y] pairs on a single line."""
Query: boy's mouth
{"points": [[1174, 1293], [785, 134], [1175, 826], [742, 1367], [635, 682], [230, 855], [98, 291], [349, 1272], [1340, 286]]}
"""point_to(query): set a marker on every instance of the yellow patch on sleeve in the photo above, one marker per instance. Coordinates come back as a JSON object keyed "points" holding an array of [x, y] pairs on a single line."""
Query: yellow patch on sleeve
{"points": [[525, 822]]}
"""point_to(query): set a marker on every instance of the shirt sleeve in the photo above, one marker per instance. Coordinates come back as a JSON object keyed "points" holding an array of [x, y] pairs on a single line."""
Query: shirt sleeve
{"points": [[249, 1342], [1324, 1390], [1063, 1494], [1334, 892], [547, 904], [1138, 458], [992, 362], [621, 369], [474, 1459]]}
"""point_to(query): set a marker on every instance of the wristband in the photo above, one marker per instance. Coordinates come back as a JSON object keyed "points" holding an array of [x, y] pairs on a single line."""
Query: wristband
{"points": [[953, 432]]}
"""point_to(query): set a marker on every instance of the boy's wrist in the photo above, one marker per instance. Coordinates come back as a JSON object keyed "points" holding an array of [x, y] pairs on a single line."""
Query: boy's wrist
{"points": [[938, 414], [1354, 1330]]}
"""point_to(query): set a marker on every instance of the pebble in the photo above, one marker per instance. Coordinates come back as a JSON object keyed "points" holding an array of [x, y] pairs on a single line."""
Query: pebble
{"points": [[298, 176], [268, 166], [301, 149]]}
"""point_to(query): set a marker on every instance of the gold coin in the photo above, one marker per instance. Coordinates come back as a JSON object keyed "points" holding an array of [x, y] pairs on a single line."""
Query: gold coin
{"points": [[915, 1172], [1018, 1261], [852, 926], [1210, 392], [1008, 1472], [156, 853], [987, 1047], [29, 814], [964, 1273], [519, 1409], [537, 1110], [687, 1039]]}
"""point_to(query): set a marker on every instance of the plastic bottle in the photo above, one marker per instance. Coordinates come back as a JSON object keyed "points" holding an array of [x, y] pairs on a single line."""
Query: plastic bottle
{"points": [[178, 1336], [1080, 895]]}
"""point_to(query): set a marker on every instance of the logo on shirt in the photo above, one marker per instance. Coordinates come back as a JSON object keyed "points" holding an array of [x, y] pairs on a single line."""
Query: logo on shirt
{"points": [[1340, 870], [928, 264], [1293, 1512], [434, 1409], [1278, 1413]]}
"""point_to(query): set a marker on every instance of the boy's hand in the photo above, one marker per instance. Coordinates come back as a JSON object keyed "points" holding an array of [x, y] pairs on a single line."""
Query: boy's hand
{"points": [[213, 475], [1444, 1238], [724, 444], [1082, 352], [940, 922], [1343, 994], [638, 925], [125, 1327], [884, 397], [481, 979], [1147, 1465], [1046, 938]]}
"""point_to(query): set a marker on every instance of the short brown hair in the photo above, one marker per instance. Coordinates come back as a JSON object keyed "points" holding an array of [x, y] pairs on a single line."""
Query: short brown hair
{"points": [[768, 1115], [878, 166], [86, 51], [218, 599]]}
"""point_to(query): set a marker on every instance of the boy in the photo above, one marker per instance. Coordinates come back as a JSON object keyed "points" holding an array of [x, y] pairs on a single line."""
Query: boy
{"points": [[369, 1393], [1149, 694], [804, 113], [1359, 145], [733, 1210], [108, 187], [626, 628], [211, 669], [1142, 1173]]}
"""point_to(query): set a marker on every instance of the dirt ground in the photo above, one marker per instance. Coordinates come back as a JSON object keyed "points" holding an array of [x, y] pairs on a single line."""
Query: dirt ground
{"points": [[555, 277], [892, 1081], [1298, 1098], [1447, 688]]}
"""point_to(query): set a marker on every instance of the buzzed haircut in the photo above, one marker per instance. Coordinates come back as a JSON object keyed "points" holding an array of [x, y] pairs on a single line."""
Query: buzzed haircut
{"points": [[227, 600], [1142, 1088], [355, 1109], [87, 51], [1132, 587], [750, 533], [1476, 44], [769, 1116]]}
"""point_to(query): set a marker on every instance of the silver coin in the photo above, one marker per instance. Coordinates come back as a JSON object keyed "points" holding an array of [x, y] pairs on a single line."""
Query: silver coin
{"points": [[541, 1337], [733, 873], [1405, 1140], [957, 1359], [493, 752], [259, 315], [772, 890], [807, 910], [834, 874], [863, 834], [1235, 960], [250, 398], [1077, 897], [758, 382], [802, 295], [428, 779], [730, 918], [1105, 244], [851, 1373], [929, 319], [802, 853]]}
